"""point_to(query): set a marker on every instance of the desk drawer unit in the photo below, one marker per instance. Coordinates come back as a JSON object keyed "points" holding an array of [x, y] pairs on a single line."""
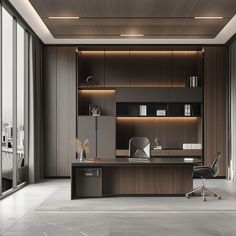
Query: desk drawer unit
{"points": [[88, 182]]}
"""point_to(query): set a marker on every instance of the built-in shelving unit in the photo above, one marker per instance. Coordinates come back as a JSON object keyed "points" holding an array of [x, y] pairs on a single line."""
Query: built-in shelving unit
{"points": [[120, 80]]}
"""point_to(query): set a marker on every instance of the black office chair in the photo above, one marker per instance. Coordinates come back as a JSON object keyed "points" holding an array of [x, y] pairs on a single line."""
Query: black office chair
{"points": [[139, 147], [206, 172]]}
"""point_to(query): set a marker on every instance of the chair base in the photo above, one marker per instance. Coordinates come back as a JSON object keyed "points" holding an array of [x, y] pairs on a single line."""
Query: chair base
{"points": [[203, 191]]}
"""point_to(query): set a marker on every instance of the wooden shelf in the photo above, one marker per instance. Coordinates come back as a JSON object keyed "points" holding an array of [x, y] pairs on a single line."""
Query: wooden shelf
{"points": [[165, 152]]}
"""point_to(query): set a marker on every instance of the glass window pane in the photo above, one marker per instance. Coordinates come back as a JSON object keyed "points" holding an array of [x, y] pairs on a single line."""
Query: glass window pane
{"points": [[20, 105], [7, 100]]}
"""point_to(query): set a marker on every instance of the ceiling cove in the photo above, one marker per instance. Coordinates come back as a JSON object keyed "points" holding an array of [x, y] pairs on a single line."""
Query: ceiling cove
{"points": [[130, 22]]}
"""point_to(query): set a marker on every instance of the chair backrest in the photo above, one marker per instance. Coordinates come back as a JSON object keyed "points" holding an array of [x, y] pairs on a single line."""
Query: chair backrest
{"points": [[215, 167], [139, 147]]}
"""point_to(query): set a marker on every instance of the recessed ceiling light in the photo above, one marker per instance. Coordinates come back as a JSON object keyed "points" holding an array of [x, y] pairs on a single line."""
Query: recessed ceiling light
{"points": [[131, 35], [63, 17], [208, 17]]}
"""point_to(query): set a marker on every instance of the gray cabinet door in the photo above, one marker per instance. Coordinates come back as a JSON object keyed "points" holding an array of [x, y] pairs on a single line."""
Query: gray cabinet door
{"points": [[86, 129], [106, 141]]}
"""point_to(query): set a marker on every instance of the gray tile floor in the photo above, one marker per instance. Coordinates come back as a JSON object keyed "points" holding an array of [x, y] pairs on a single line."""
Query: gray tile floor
{"points": [[18, 216]]}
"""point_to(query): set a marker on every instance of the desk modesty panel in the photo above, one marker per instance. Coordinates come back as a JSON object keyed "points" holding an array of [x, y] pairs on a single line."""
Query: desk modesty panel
{"points": [[121, 177]]}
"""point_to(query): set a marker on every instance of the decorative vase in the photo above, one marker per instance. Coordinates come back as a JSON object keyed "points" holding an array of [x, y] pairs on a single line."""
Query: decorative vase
{"points": [[82, 155]]}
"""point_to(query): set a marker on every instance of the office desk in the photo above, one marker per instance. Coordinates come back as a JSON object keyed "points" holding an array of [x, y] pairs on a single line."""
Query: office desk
{"points": [[158, 176]]}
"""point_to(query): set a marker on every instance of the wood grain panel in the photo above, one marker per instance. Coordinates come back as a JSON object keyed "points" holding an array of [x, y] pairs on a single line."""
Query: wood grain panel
{"points": [[91, 64], [147, 180], [150, 69], [171, 133], [184, 66], [117, 68], [215, 80], [110, 18], [221, 105], [142, 94], [50, 110], [66, 115]]}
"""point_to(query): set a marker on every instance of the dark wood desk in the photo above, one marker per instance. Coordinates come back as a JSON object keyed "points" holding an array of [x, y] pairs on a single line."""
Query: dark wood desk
{"points": [[158, 176]]}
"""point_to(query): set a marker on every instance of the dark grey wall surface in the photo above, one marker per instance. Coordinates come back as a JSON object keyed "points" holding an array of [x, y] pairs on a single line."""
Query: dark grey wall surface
{"points": [[59, 89]]}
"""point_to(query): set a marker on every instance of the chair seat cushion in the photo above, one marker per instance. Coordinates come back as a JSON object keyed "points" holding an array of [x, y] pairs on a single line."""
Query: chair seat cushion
{"points": [[202, 172]]}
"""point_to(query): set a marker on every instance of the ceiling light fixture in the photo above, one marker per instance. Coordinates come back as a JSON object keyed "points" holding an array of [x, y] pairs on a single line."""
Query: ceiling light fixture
{"points": [[63, 17], [209, 17], [131, 35]]}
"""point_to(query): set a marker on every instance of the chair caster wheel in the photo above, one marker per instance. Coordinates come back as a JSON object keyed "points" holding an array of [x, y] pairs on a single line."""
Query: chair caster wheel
{"points": [[219, 197], [187, 197], [204, 199]]}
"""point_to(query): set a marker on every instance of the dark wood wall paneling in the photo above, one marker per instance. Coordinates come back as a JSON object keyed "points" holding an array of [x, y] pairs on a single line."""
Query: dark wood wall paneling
{"points": [[215, 76], [50, 110], [139, 67], [60, 109], [215, 111]]}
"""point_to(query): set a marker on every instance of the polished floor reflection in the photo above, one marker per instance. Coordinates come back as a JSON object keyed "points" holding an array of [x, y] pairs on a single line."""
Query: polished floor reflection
{"points": [[19, 216]]}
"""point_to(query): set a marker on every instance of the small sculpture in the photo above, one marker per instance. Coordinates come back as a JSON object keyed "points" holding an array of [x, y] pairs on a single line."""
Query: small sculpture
{"points": [[90, 80], [157, 144]]}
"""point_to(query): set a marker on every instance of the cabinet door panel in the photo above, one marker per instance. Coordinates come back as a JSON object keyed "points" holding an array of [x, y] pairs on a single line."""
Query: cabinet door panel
{"points": [[106, 143], [117, 68], [87, 130], [185, 64], [149, 69], [91, 63]]}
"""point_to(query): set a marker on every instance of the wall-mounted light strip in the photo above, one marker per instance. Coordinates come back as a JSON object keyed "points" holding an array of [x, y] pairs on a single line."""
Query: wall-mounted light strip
{"points": [[131, 35], [164, 52], [91, 52], [157, 118], [63, 17], [208, 17], [97, 91], [139, 52]]}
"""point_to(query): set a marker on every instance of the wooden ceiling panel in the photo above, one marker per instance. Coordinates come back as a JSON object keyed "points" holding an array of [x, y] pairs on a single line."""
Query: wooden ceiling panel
{"points": [[153, 18]]}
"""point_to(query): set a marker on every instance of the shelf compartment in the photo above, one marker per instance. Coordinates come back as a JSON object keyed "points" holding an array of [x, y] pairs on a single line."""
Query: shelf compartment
{"points": [[171, 131], [105, 99]]}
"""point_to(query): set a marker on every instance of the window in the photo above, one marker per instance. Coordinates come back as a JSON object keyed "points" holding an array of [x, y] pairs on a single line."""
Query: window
{"points": [[14, 51], [7, 101], [20, 104]]}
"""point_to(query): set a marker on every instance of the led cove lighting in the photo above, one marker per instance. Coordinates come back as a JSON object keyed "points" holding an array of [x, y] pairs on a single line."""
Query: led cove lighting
{"points": [[208, 17], [131, 35], [63, 17]]}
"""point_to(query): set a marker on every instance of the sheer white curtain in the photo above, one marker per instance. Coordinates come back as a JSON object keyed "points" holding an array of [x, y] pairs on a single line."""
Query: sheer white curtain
{"points": [[31, 112]]}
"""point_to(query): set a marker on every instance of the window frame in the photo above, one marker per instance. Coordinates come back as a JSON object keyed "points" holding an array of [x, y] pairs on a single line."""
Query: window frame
{"points": [[27, 35]]}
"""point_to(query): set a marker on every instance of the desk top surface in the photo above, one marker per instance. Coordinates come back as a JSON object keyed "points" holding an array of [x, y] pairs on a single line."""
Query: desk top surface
{"points": [[126, 161]]}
